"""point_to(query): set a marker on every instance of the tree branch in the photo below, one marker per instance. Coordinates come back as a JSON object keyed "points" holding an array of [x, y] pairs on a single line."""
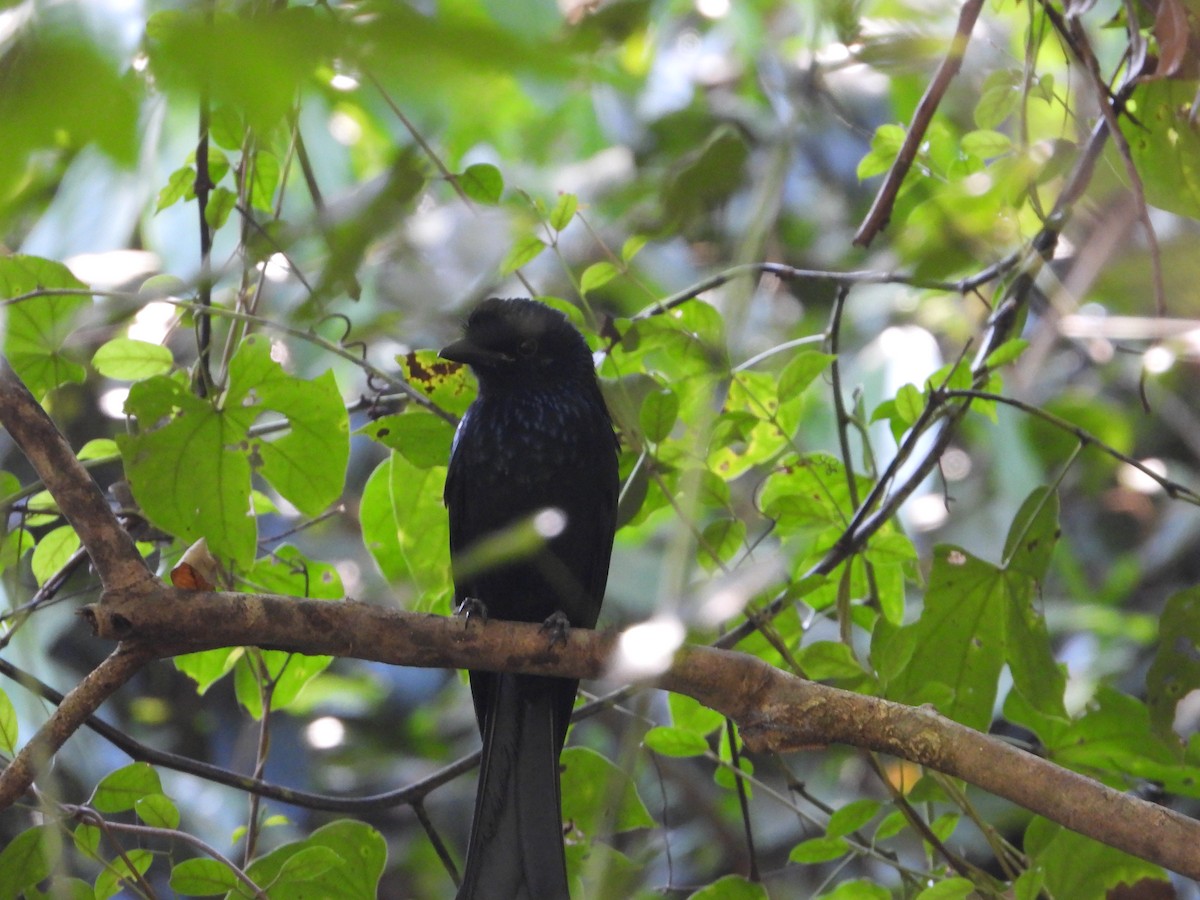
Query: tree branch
{"points": [[775, 711], [79, 498]]}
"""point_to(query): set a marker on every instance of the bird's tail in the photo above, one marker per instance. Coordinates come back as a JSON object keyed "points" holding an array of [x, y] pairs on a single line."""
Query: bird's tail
{"points": [[516, 845]]}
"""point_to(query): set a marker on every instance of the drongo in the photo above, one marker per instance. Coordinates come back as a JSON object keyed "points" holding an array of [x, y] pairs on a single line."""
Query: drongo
{"points": [[537, 448]]}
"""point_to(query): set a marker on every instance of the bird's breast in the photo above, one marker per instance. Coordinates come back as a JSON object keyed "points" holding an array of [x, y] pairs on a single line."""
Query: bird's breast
{"points": [[530, 439]]}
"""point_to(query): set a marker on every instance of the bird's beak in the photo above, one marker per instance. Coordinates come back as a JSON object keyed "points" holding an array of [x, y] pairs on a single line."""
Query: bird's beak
{"points": [[470, 353]]}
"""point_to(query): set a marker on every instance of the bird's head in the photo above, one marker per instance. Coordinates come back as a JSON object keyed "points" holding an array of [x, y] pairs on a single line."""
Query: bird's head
{"points": [[518, 341]]}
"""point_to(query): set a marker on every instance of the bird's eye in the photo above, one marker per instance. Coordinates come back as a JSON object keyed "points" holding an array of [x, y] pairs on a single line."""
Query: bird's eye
{"points": [[528, 347]]}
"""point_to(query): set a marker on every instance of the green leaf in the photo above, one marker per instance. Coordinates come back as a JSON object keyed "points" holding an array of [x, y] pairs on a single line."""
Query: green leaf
{"points": [[8, 725], [819, 850], [731, 887], [447, 384], [998, 98], [9, 484], [206, 667], [99, 448], [632, 246], [15, 545], [722, 537], [1006, 353], [1036, 674], [1175, 671], [120, 790], [186, 477], [524, 251], [948, 889], [202, 878], [87, 840], [910, 402], [657, 416], [859, 889], [38, 328], [288, 673], [958, 643], [808, 493], [423, 438], [361, 854], [691, 715], [265, 181], [564, 211], [1077, 866], [221, 202], [830, 661], [1033, 534], [130, 360], [311, 862], [53, 551], [422, 528], [1029, 884], [307, 462], [726, 776], [593, 787], [893, 823], [120, 870], [181, 185], [986, 143], [218, 164], [801, 371], [596, 276], [1114, 735], [288, 571], [1028, 549], [756, 424], [851, 817], [30, 857], [671, 741], [483, 183], [41, 509], [225, 125], [63, 91], [377, 521], [944, 825], [191, 473], [405, 526], [1165, 144], [157, 810], [885, 145]]}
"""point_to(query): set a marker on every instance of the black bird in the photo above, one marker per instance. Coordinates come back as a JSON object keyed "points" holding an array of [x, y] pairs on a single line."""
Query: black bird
{"points": [[538, 437]]}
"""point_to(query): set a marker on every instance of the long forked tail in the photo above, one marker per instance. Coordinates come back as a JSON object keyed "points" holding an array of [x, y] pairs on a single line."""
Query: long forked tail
{"points": [[516, 845]]}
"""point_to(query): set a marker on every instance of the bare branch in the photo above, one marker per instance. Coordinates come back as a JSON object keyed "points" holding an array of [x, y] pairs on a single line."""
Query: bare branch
{"points": [[775, 711], [881, 208]]}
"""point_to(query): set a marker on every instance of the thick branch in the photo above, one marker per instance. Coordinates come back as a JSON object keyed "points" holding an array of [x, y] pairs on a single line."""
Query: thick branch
{"points": [[79, 497], [775, 711]]}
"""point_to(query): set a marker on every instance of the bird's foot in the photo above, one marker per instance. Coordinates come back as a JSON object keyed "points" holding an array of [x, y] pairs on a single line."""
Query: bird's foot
{"points": [[557, 626], [472, 607]]}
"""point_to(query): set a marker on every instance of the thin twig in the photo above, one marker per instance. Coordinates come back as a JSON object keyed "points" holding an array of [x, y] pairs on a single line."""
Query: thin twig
{"points": [[881, 209], [89, 816]]}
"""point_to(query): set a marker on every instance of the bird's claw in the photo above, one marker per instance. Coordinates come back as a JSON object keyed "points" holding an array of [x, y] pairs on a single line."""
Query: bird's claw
{"points": [[557, 626], [471, 607]]}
